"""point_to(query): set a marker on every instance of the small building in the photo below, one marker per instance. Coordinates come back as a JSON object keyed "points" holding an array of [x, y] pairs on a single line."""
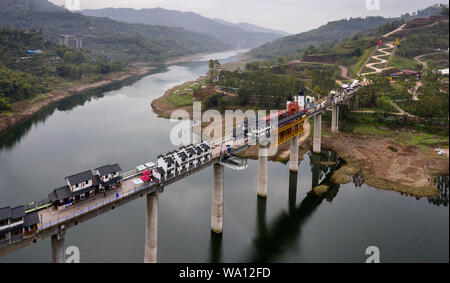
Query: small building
{"points": [[11, 224], [206, 151], [182, 159], [30, 223], [107, 177], [81, 185], [200, 158], [396, 75], [192, 155], [168, 165], [61, 197], [159, 174], [444, 72]]}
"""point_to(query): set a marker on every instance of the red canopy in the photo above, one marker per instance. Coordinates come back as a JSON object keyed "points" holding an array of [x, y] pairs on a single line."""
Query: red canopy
{"points": [[147, 173], [145, 178]]}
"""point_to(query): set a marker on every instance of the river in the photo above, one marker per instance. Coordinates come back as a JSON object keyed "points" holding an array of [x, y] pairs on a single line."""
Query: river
{"points": [[292, 225]]}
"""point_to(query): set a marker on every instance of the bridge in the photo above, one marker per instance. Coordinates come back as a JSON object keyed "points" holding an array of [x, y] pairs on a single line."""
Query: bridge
{"points": [[54, 223]]}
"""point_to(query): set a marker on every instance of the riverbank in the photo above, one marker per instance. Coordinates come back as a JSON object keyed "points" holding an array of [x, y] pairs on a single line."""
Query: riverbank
{"points": [[24, 110], [383, 163], [176, 98]]}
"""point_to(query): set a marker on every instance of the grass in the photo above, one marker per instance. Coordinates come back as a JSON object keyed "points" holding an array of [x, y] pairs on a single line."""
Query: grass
{"points": [[367, 124], [403, 63], [355, 68], [38, 98], [180, 100]]}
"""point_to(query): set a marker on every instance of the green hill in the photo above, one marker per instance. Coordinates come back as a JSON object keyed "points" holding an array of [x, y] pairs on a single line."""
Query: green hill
{"points": [[106, 36], [239, 36], [331, 32]]}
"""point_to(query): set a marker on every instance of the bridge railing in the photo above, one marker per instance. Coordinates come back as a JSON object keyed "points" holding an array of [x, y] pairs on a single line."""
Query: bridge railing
{"points": [[129, 174], [110, 198]]}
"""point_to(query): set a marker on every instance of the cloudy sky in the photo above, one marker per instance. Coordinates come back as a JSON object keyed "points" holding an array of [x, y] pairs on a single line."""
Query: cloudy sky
{"points": [[292, 16]]}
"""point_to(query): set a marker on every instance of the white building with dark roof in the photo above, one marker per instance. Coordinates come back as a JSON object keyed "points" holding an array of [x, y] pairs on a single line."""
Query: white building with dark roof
{"points": [[167, 164], [79, 187], [80, 181], [192, 155], [108, 176], [182, 159], [206, 151], [11, 224], [159, 173]]}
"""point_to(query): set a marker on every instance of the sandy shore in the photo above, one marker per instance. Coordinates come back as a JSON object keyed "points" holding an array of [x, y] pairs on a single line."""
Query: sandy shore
{"points": [[383, 163]]}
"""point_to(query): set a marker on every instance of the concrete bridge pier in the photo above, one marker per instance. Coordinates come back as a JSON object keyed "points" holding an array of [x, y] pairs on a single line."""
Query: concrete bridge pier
{"points": [[262, 172], [293, 163], [66, 41], [151, 228], [335, 119], [58, 252], [317, 133], [217, 200]]}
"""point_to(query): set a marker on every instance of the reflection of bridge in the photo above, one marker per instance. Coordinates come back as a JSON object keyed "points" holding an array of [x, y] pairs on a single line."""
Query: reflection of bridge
{"points": [[55, 223], [273, 240]]}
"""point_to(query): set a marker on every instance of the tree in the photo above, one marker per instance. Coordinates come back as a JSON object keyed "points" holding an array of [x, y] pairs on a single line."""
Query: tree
{"points": [[4, 103], [213, 66]]}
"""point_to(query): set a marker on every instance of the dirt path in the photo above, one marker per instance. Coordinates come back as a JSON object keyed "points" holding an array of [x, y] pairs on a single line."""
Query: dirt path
{"points": [[390, 165], [400, 28], [425, 65], [377, 70], [344, 72]]}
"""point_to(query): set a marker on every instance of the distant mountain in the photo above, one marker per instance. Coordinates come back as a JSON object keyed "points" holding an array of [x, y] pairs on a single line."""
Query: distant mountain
{"points": [[231, 34], [36, 5], [106, 36], [330, 32], [252, 28]]}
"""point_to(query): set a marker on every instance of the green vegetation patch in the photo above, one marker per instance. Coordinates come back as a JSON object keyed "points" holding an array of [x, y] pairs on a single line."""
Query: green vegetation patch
{"points": [[180, 100]]}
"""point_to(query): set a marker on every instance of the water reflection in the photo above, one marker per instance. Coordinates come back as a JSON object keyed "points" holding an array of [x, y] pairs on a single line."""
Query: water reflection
{"points": [[215, 248], [323, 165], [292, 191], [274, 239], [12, 137], [442, 185], [358, 179]]}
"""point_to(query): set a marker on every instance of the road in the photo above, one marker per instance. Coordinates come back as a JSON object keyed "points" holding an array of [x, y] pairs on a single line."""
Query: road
{"points": [[377, 70], [425, 65], [400, 28]]}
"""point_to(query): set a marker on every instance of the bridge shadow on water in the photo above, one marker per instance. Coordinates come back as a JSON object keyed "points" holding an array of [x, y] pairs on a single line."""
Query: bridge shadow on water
{"points": [[275, 238]]}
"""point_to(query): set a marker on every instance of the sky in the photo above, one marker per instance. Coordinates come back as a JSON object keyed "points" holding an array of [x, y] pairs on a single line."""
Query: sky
{"points": [[293, 16]]}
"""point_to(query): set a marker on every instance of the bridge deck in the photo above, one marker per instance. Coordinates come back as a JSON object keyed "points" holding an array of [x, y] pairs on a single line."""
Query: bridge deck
{"points": [[50, 219]]}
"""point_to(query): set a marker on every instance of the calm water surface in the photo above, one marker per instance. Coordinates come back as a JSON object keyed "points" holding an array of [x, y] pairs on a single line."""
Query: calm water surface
{"points": [[292, 225]]}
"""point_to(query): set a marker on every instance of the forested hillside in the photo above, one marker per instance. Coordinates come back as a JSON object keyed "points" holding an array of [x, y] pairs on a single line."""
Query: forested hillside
{"points": [[102, 35], [31, 65], [231, 34], [331, 32]]}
